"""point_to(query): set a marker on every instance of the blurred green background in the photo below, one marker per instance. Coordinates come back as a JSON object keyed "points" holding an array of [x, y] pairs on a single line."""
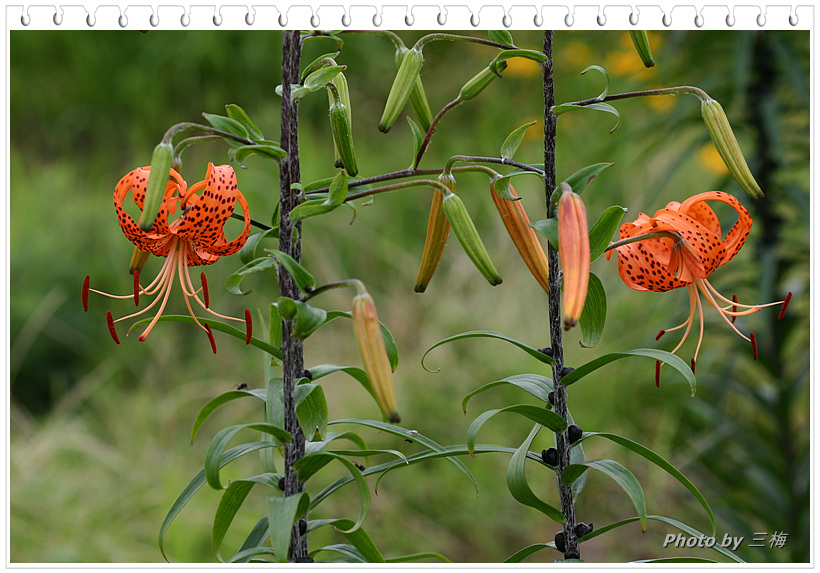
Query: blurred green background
{"points": [[99, 432]]}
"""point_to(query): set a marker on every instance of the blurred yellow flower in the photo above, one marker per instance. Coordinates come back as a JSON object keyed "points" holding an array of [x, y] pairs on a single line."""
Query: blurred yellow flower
{"points": [[709, 158], [522, 67], [576, 54], [662, 104]]}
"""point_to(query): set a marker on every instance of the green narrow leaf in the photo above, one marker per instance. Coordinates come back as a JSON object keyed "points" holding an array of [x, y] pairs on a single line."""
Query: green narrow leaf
{"points": [[213, 457], [418, 139], [534, 384], [601, 233], [533, 55], [197, 482], [337, 193], [500, 36], [359, 539], [259, 533], [548, 228], [248, 251], [413, 435], [584, 176], [304, 280], [669, 521], [514, 139], [603, 95], [228, 125], [364, 493], [521, 554], [321, 77], [674, 361], [593, 316], [349, 551], [622, 476], [387, 336], [535, 413], [236, 113], [311, 410], [661, 463], [282, 512], [308, 319], [313, 66], [600, 106], [233, 282], [517, 481], [232, 499], [246, 555], [356, 373], [541, 357], [239, 153], [212, 405], [215, 325]]}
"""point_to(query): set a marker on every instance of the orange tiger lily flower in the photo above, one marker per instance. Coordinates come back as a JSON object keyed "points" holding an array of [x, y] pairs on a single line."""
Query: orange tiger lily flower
{"points": [[683, 246], [194, 238]]}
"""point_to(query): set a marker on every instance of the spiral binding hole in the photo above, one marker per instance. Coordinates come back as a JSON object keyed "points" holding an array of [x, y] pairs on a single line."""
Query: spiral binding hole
{"points": [[441, 18], [409, 20], [699, 20], [25, 19], [185, 20], [569, 20], [217, 19], [283, 20], [601, 19], [667, 20], [314, 20], [90, 20], [793, 19], [506, 20], [250, 18], [633, 18], [122, 21], [377, 19], [538, 20], [346, 20], [474, 20], [57, 18], [153, 20], [761, 20], [730, 20]]}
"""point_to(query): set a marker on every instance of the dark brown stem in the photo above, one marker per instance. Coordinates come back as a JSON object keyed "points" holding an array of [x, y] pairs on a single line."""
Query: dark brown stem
{"points": [[643, 93], [293, 364], [433, 125], [571, 547]]}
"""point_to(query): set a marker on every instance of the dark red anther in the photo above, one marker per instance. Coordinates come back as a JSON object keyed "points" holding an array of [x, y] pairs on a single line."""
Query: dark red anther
{"points": [[692, 365], [754, 346], [136, 287], [86, 284], [205, 290], [210, 337], [785, 306], [248, 326], [734, 307], [658, 373], [661, 333], [110, 320]]}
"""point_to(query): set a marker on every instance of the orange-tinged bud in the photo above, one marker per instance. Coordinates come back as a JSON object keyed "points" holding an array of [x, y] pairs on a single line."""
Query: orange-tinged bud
{"points": [[573, 250], [374, 353], [438, 229], [523, 236]]}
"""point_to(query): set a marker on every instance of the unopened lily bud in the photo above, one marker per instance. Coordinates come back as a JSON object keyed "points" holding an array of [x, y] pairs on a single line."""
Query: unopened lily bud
{"points": [[573, 250], [438, 229], [343, 92], [402, 88], [418, 98], [523, 236], [343, 137], [138, 259], [374, 353], [468, 237], [641, 41], [726, 143], [478, 82], [157, 181]]}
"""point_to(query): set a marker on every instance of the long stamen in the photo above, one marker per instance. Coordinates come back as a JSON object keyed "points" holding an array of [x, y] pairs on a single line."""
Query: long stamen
{"points": [[165, 278], [174, 252], [110, 321], [700, 335], [714, 305], [694, 301], [86, 284], [734, 302], [191, 292]]}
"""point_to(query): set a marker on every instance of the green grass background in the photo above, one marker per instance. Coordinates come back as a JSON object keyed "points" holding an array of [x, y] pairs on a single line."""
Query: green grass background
{"points": [[99, 432]]}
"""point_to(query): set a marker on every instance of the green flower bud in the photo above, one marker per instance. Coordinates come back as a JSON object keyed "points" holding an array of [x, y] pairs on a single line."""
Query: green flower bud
{"points": [[402, 88], [726, 143], [480, 81], [344, 95], [467, 235], [157, 180], [342, 137], [641, 41]]}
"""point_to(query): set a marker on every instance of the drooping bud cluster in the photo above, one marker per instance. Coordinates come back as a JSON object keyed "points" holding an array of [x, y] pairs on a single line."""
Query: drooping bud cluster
{"points": [[403, 86]]}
